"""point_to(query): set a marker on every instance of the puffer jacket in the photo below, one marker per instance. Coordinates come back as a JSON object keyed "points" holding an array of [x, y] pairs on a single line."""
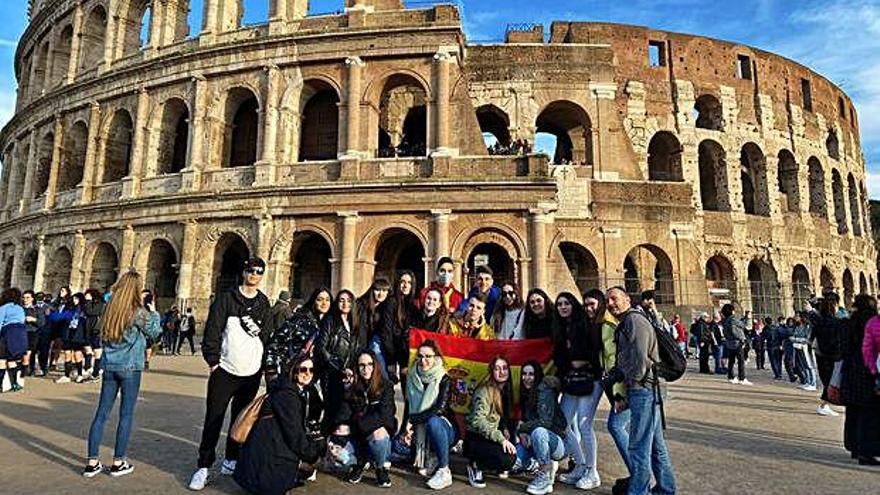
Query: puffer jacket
{"points": [[289, 340], [546, 413], [871, 344], [483, 418]]}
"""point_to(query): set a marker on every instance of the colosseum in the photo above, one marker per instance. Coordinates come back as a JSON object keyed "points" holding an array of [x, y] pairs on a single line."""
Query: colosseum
{"points": [[377, 138]]}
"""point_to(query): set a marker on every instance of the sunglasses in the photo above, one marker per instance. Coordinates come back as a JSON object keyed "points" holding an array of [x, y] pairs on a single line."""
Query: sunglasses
{"points": [[509, 293], [306, 369], [255, 271]]}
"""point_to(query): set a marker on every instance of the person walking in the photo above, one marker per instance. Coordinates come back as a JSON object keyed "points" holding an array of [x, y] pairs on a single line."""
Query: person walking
{"points": [[187, 332], [773, 344], [803, 353], [239, 323], [13, 337], [705, 341], [734, 343], [126, 324], [34, 320], [860, 387], [829, 340]]}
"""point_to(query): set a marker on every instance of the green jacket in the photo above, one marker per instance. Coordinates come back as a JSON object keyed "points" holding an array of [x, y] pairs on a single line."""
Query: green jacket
{"points": [[609, 351], [483, 419]]}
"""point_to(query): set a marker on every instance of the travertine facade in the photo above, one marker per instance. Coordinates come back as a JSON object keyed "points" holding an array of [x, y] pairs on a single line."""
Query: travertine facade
{"points": [[342, 146]]}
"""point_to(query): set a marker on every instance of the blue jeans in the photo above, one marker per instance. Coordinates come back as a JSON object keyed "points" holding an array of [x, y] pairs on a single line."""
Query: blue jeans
{"points": [[618, 427], [580, 439], [775, 356], [718, 354], [804, 363], [380, 450], [647, 448], [546, 446], [441, 436], [129, 382]]}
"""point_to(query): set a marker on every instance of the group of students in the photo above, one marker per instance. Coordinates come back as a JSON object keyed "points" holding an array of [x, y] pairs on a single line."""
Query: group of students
{"points": [[332, 365]]}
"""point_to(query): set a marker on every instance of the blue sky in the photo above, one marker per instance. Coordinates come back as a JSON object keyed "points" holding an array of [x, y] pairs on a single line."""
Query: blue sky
{"points": [[839, 39]]}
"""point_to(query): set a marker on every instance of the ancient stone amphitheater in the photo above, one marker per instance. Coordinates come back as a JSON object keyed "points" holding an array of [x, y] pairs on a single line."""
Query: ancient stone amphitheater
{"points": [[378, 138]]}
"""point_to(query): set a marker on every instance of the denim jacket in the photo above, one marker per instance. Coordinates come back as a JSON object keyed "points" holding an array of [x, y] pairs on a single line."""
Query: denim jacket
{"points": [[128, 353]]}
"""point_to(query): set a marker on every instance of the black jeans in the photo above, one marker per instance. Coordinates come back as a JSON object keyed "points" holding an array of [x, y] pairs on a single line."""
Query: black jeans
{"points": [[759, 358], [189, 337], [826, 369], [486, 454], [705, 352], [223, 387], [736, 355]]}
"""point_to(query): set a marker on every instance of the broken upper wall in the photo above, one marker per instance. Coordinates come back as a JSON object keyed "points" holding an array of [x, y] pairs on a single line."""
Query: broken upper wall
{"points": [[710, 64]]}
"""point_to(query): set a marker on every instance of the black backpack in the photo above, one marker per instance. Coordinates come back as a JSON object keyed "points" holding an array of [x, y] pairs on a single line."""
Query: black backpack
{"points": [[672, 364]]}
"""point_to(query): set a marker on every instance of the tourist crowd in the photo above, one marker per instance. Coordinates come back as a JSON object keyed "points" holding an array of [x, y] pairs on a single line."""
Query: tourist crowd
{"points": [[333, 365]]}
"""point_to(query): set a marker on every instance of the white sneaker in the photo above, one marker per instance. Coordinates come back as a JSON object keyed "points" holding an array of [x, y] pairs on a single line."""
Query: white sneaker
{"points": [[199, 479], [228, 467], [735, 381], [442, 478], [589, 480], [746, 381], [541, 485], [63, 379], [78, 379], [572, 477], [826, 411], [810, 388]]}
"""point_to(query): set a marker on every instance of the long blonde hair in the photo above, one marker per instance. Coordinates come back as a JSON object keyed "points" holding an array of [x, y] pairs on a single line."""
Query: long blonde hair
{"points": [[125, 301]]}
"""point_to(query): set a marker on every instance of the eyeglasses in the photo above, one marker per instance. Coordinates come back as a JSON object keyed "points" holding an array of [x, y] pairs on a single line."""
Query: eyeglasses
{"points": [[306, 370], [365, 365], [255, 271], [426, 356]]}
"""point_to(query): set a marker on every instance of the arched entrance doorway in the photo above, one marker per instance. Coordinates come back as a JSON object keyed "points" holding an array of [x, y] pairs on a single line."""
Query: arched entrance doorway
{"points": [[648, 267], [161, 274], [7, 272], [496, 257], [399, 250], [57, 273], [801, 288], [310, 257], [720, 280], [582, 265], [105, 267], [229, 256], [764, 285], [849, 288], [826, 279], [29, 269]]}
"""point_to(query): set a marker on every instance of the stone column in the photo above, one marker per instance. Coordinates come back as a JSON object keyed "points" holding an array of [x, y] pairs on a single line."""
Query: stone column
{"points": [[265, 228], [39, 276], [132, 184], [441, 234], [604, 94], [283, 11], [88, 180], [56, 163], [442, 63], [17, 260], [126, 252], [353, 106], [11, 169], [348, 227], [76, 44], [539, 219], [30, 163], [266, 167], [109, 40], [192, 175], [78, 275], [187, 259]]}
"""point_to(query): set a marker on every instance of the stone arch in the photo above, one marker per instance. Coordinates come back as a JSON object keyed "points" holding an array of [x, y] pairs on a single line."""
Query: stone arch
{"points": [[764, 286], [801, 286], [103, 267], [714, 190], [378, 85], [42, 62], [397, 249], [849, 288], [753, 176], [582, 265], [133, 17], [28, 269], [839, 202], [230, 253], [490, 238], [57, 271], [402, 120], [73, 156], [863, 284], [572, 127], [664, 158], [818, 204], [310, 254], [117, 147], [161, 271], [319, 120], [242, 127], [495, 127], [647, 266], [61, 57], [709, 113], [832, 145], [93, 35], [720, 279], [854, 209], [826, 279], [172, 144], [44, 163], [788, 183]]}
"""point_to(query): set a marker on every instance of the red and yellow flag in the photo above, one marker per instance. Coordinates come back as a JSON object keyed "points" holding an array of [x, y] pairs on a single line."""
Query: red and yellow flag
{"points": [[467, 360]]}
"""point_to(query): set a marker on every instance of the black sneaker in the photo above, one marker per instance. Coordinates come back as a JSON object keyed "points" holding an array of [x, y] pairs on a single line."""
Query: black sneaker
{"points": [[121, 469], [383, 479], [354, 477], [91, 471], [475, 476]]}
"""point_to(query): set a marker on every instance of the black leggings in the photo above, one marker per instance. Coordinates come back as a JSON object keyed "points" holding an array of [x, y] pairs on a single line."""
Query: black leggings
{"points": [[826, 370], [486, 454], [189, 337], [736, 356]]}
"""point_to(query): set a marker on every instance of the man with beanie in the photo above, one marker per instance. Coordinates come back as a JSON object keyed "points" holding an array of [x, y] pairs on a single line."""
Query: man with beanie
{"points": [[239, 323]]}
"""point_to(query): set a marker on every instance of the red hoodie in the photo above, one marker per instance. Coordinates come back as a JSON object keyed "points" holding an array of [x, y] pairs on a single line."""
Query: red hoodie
{"points": [[452, 297]]}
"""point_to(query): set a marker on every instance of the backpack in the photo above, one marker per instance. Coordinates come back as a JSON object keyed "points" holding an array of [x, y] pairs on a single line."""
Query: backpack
{"points": [[672, 364]]}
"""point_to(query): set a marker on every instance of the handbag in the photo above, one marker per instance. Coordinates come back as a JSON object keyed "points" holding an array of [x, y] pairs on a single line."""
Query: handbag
{"points": [[578, 382], [246, 419]]}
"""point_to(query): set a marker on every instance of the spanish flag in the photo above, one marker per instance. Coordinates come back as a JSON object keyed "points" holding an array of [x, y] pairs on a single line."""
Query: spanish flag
{"points": [[467, 360]]}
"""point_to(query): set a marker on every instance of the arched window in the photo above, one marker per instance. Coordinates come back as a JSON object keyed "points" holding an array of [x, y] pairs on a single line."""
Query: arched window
{"points": [[319, 135], [242, 127], [44, 164], [787, 175], [832, 145], [495, 127], [664, 158], [571, 127], [854, 208], [117, 148], [61, 64], [92, 41], [839, 202], [713, 177], [173, 137], [403, 118], [764, 285], [73, 157], [708, 113], [818, 205], [581, 264], [753, 173]]}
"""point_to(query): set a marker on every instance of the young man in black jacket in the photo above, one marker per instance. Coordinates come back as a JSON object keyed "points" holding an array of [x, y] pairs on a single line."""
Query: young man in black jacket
{"points": [[239, 323]]}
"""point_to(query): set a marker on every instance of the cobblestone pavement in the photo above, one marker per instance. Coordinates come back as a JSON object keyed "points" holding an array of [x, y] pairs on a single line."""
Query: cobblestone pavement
{"points": [[724, 439]]}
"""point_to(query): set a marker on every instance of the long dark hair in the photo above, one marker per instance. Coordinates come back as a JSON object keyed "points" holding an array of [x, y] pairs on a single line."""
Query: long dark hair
{"points": [[528, 399], [313, 298], [578, 317], [497, 316], [10, 295], [352, 315], [374, 386], [442, 314], [404, 301], [535, 325], [594, 325], [865, 308]]}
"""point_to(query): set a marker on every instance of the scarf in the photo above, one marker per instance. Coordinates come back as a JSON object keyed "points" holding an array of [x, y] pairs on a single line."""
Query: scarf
{"points": [[422, 389]]}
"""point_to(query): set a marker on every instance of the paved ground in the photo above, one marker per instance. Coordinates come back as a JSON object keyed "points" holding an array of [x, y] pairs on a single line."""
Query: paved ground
{"points": [[724, 439]]}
